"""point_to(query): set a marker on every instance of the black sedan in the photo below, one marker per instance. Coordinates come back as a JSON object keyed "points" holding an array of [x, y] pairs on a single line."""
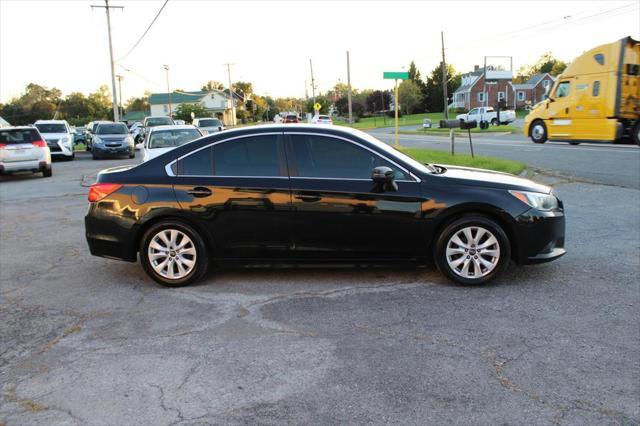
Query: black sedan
{"points": [[300, 193]]}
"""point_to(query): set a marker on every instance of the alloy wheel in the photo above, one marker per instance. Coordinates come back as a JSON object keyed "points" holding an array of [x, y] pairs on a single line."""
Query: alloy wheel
{"points": [[473, 252], [172, 254]]}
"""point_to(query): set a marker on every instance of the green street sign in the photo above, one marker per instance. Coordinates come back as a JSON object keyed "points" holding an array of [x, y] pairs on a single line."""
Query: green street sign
{"points": [[395, 75]]}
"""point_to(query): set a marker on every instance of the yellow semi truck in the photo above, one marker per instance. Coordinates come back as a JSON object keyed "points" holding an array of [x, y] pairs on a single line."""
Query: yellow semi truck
{"points": [[596, 98]]}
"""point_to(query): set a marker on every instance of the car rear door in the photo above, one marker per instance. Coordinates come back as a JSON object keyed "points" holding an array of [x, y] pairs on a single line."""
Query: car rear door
{"points": [[338, 212], [239, 189]]}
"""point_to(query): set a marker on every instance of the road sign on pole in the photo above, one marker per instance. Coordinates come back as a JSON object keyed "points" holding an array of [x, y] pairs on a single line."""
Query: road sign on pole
{"points": [[317, 106], [395, 75]]}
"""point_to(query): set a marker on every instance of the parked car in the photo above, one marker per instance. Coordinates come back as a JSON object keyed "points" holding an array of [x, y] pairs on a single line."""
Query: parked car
{"points": [[136, 133], [339, 195], [91, 129], [58, 136], [488, 115], [427, 124], [595, 98], [208, 125], [23, 148], [290, 118], [321, 119], [112, 140], [159, 120], [179, 122], [163, 139], [79, 135]]}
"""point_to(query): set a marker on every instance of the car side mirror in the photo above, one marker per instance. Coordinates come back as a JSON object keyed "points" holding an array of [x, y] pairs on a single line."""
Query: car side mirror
{"points": [[383, 177]]}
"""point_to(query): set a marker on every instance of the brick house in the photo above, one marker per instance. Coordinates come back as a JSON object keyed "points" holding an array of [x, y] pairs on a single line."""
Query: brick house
{"points": [[475, 92]]}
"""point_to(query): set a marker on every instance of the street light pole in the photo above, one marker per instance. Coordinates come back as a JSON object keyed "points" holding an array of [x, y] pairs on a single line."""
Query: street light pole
{"points": [[166, 68], [120, 110], [349, 92], [116, 115], [395, 107], [233, 115]]}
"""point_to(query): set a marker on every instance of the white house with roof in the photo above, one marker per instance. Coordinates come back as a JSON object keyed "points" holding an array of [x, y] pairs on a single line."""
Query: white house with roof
{"points": [[216, 102]]}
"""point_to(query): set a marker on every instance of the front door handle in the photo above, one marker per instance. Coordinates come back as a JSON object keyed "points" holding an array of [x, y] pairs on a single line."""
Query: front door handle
{"points": [[566, 110], [200, 192], [308, 198]]}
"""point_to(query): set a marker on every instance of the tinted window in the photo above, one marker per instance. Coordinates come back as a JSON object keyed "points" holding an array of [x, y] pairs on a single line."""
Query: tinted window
{"points": [[112, 129], [19, 136], [322, 156], [209, 123], [596, 88], [563, 89], [251, 156], [159, 121], [52, 128], [196, 164], [172, 138], [599, 57]]}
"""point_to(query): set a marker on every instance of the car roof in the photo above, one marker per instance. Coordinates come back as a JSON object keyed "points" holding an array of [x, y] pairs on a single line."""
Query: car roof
{"points": [[172, 127], [18, 128]]}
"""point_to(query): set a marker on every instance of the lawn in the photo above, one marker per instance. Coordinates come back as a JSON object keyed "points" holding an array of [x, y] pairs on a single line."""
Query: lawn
{"points": [[405, 120], [443, 157], [437, 130], [80, 147]]}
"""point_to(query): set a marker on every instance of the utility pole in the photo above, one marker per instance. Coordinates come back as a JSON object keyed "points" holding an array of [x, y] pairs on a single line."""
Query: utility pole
{"points": [[233, 113], [444, 80], [116, 115], [166, 68], [313, 82], [349, 92], [119, 78], [306, 90]]}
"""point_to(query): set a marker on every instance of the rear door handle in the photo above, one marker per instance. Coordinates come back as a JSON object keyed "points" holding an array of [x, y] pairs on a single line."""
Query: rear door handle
{"points": [[200, 192]]}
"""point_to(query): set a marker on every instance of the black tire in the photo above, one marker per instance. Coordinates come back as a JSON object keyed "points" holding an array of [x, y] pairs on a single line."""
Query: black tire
{"points": [[494, 121], [201, 258], [636, 133], [440, 248], [132, 154], [47, 172], [93, 155], [538, 132], [574, 143]]}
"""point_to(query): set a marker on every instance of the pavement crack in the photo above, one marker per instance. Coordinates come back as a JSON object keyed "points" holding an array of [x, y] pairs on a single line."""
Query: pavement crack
{"points": [[165, 407]]}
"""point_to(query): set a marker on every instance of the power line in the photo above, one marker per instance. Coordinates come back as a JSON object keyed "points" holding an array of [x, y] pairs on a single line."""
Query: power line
{"points": [[145, 32]]}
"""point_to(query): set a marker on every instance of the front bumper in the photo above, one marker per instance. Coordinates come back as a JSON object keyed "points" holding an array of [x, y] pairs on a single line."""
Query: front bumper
{"points": [[104, 151], [540, 236]]}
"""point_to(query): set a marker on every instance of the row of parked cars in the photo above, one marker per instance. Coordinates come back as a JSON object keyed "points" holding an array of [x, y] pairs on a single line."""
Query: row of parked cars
{"points": [[31, 148]]}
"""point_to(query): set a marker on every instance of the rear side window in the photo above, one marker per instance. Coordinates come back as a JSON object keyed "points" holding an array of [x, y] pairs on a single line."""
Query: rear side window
{"points": [[327, 157], [595, 91], [251, 156], [563, 89], [14, 136], [197, 164]]}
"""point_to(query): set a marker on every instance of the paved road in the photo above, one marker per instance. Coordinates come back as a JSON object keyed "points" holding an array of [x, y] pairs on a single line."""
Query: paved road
{"points": [[85, 340], [609, 164]]}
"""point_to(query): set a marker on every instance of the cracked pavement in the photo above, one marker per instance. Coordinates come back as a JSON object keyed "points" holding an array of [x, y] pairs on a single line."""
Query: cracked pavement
{"points": [[85, 340]]}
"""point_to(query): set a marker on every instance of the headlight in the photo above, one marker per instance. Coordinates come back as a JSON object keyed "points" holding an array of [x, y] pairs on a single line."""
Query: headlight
{"points": [[537, 200], [64, 140], [97, 139]]}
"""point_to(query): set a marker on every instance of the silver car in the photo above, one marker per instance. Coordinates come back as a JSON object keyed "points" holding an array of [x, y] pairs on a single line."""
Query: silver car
{"points": [[208, 125], [23, 149]]}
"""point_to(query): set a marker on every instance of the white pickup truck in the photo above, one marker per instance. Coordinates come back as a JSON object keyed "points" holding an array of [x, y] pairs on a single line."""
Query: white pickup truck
{"points": [[489, 115]]}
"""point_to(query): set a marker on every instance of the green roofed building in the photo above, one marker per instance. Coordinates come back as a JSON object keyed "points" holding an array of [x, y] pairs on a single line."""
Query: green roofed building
{"points": [[214, 101]]}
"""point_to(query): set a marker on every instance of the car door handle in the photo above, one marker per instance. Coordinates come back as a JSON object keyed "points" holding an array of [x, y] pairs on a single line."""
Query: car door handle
{"points": [[200, 192], [308, 198]]}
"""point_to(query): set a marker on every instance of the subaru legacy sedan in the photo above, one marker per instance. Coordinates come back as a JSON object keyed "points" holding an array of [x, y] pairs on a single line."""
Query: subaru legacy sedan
{"points": [[307, 194]]}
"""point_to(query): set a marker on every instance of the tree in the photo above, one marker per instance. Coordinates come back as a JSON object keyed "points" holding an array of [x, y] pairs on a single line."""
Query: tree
{"points": [[547, 63], [378, 100], [243, 88], [322, 100], [138, 104], [183, 112], [100, 103], [433, 96], [37, 102], [76, 109], [212, 85], [410, 95]]}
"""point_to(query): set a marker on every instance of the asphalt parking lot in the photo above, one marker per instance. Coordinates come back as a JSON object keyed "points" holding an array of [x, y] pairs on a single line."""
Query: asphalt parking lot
{"points": [[85, 340]]}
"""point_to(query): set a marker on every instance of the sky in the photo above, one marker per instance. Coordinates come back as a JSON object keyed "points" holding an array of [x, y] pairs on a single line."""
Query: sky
{"points": [[64, 44]]}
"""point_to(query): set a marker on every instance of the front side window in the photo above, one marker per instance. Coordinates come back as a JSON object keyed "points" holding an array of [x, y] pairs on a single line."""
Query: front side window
{"points": [[250, 156], [563, 89], [327, 157], [51, 128], [473, 111]]}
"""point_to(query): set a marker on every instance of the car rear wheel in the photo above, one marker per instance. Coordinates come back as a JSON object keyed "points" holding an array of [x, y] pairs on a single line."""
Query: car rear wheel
{"points": [[538, 132], [494, 121], [574, 143], [173, 254], [47, 172], [472, 250]]}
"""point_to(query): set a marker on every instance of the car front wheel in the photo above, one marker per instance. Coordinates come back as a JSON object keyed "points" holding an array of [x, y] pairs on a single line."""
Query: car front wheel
{"points": [[538, 132], [173, 254], [472, 250]]}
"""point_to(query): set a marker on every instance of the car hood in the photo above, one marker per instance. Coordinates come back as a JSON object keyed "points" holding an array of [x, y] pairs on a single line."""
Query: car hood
{"points": [[491, 179]]}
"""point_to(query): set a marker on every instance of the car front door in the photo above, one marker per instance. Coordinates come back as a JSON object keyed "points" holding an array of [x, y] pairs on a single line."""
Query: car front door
{"points": [[239, 189], [338, 211]]}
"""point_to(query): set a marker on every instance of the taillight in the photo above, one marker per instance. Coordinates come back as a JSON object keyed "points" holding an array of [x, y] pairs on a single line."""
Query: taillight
{"points": [[98, 191], [3, 145], [39, 144]]}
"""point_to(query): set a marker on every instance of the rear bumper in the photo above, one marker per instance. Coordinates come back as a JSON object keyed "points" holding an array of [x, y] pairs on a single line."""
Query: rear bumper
{"points": [[106, 238], [21, 166], [541, 236]]}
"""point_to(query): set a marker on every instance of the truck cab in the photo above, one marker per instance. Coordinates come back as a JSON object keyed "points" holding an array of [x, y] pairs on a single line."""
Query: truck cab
{"points": [[595, 98]]}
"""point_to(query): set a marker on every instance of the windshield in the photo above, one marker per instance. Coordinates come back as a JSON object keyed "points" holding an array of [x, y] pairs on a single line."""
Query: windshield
{"points": [[19, 136], [395, 153], [51, 128], [209, 123], [172, 138], [323, 117], [112, 129], [158, 121]]}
